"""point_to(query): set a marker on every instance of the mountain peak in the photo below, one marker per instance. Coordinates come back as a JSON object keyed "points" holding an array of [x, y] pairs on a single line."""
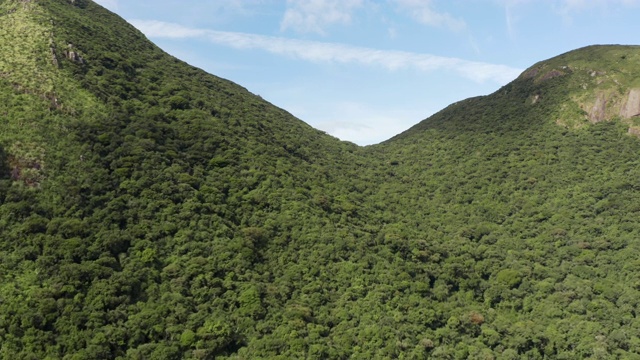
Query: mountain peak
{"points": [[602, 83], [581, 87]]}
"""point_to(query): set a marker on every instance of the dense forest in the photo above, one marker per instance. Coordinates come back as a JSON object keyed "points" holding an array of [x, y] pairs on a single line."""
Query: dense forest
{"points": [[149, 210]]}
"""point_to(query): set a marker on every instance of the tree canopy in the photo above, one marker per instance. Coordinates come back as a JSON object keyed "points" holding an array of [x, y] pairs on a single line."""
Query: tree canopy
{"points": [[149, 210]]}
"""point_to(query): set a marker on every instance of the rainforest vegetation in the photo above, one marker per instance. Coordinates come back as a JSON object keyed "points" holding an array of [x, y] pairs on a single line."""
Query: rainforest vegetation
{"points": [[149, 210]]}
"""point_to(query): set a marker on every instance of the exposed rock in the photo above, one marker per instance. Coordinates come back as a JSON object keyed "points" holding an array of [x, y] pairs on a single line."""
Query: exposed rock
{"points": [[530, 74], [534, 73], [598, 111], [635, 131], [552, 74], [73, 55], [535, 98], [78, 3], [631, 105], [54, 57]]}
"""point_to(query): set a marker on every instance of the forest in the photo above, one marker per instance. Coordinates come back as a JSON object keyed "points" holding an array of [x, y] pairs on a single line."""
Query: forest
{"points": [[149, 210]]}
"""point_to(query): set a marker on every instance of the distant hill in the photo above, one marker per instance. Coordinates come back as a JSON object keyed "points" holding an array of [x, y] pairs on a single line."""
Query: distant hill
{"points": [[149, 210]]}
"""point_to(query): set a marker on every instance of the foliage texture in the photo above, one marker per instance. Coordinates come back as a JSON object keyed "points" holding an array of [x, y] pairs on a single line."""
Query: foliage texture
{"points": [[149, 210]]}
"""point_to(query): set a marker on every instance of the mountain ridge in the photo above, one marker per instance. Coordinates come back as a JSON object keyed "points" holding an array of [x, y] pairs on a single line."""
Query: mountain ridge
{"points": [[596, 89]]}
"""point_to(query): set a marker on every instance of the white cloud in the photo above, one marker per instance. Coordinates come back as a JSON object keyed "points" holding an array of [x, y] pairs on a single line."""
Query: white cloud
{"points": [[162, 29], [314, 15], [109, 4], [422, 11], [319, 52]]}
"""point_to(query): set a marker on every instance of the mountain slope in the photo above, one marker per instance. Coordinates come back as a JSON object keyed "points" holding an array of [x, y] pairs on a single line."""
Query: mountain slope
{"points": [[535, 217], [149, 210], [126, 171]]}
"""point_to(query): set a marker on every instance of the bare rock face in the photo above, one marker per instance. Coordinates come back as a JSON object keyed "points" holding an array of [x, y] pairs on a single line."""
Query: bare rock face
{"points": [[631, 105], [552, 74], [535, 98], [635, 131], [73, 55], [531, 73], [78, 3], [54, 57], [598, 111], [539, 73]]}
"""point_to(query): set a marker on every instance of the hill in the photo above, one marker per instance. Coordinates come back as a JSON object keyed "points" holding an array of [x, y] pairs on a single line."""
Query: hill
{"points": [[149, 210]]}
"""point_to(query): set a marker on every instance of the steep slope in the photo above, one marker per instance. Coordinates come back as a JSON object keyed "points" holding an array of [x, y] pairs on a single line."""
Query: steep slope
{"points": [[138, 193], [149, 210]]}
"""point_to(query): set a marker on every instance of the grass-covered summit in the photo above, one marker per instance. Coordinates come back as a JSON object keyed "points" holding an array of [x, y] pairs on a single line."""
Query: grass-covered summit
{"points": [[149, 210]]}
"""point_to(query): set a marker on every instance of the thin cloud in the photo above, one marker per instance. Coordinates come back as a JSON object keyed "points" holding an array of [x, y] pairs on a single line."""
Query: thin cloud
{"points": [[510, 18], [321, 52], [315, 15], [423, 12]]}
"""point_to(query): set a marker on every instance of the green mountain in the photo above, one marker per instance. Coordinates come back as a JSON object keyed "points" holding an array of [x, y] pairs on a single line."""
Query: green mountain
{"points": [[149, 210]]}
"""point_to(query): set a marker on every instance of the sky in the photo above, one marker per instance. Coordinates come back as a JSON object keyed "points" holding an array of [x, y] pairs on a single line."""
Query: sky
{"points": [[366, 70]]}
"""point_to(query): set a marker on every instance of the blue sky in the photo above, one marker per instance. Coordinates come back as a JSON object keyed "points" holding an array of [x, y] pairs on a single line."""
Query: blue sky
{"points": [[365, 70]]}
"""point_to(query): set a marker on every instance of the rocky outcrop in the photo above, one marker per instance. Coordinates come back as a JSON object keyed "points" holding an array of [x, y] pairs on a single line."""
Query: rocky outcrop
{"points": [[631, 105], [539, 74], [531, 73], [78, 3], [609, 104], [73, 55], [598, 112], [54, 58], [552, 74], [635, 131]]}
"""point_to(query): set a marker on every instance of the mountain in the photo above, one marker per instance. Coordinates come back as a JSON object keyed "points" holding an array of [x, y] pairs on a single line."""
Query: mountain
{"points": [[149, 210]]}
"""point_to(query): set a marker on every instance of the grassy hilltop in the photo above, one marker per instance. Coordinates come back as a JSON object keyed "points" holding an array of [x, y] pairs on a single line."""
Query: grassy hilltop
{"points": [[149, 210]]}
